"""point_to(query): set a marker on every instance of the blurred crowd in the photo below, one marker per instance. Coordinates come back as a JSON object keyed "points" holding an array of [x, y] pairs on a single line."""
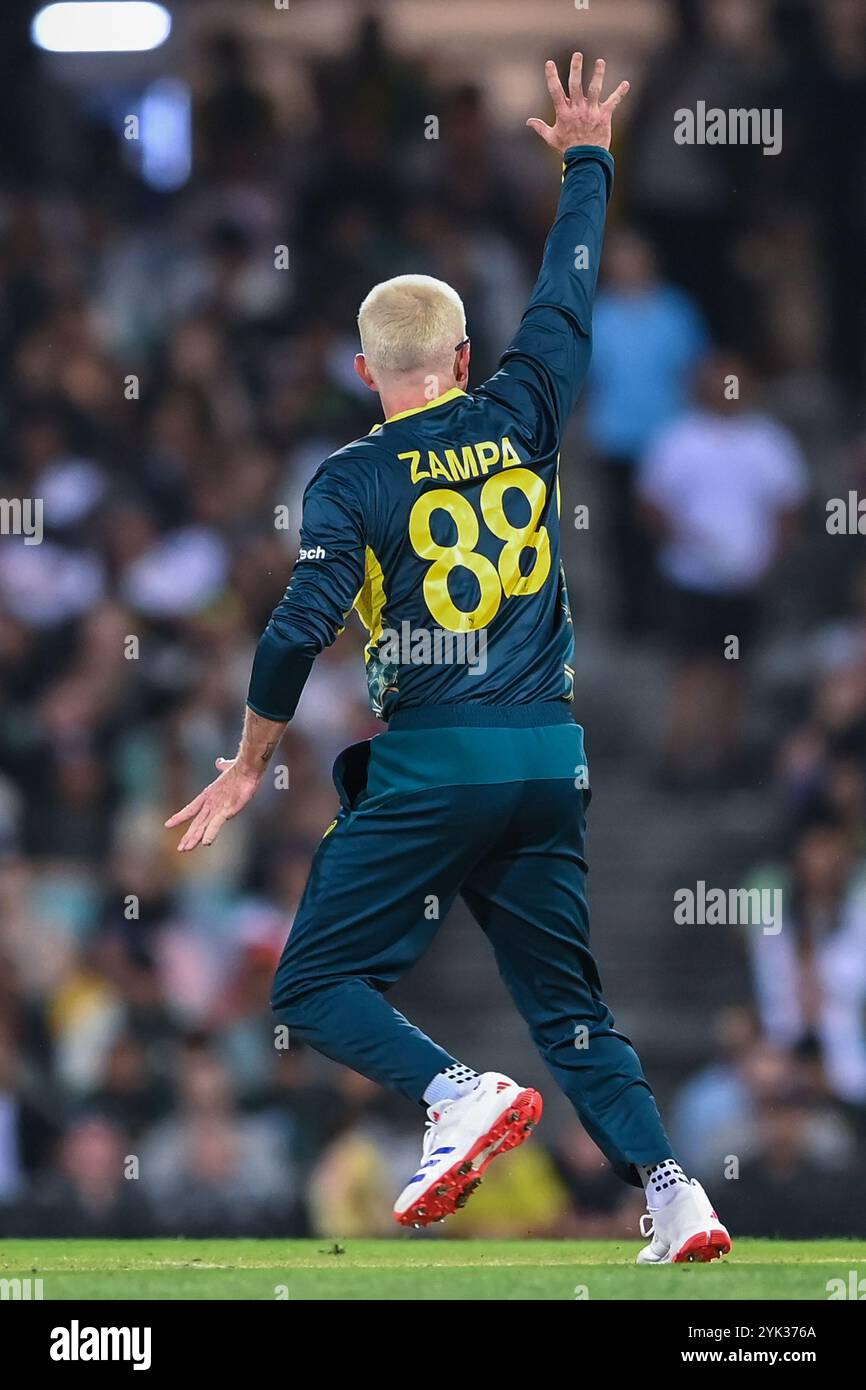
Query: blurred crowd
{"points": [[170, 380]]}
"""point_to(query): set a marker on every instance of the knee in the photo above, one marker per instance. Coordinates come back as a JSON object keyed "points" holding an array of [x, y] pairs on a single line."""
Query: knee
{"points": [[287, 995], [296, 999]]}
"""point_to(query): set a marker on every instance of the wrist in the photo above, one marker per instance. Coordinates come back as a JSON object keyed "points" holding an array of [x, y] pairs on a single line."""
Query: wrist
{"points": [[578, 150], [258, 744], [247, 765]]}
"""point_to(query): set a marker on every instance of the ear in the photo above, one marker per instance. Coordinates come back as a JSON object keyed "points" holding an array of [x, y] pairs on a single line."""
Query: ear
{"points": [[461, 366], [364, 371]]}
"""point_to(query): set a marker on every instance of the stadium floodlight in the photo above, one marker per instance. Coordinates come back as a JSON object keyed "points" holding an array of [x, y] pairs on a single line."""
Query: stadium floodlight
{"points": [[101, 26]]}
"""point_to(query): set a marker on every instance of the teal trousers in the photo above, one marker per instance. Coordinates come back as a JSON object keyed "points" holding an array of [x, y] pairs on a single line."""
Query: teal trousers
{"points": [[494, 812]]}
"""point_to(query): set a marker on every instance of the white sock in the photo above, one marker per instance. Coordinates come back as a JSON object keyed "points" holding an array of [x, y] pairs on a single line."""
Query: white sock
{"points": [[454, 1081], [662, 1182]]}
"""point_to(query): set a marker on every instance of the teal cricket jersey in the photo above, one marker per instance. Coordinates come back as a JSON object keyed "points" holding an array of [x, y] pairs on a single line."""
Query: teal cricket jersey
{"points": [[441, 527]]}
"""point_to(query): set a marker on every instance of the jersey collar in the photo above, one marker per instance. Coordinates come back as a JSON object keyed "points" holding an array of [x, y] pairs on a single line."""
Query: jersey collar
{"points": [[430, 405]]}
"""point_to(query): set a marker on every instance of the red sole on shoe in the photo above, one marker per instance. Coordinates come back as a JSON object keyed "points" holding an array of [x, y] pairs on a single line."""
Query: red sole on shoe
{"points": [[706, 1246], [455, 1186]]}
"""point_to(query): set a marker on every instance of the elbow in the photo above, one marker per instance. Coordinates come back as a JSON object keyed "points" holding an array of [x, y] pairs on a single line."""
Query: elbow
{"points": [[293, 639]]}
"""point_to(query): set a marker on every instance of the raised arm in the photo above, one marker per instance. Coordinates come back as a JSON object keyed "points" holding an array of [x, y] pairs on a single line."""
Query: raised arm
{"points": [[545, 365]]}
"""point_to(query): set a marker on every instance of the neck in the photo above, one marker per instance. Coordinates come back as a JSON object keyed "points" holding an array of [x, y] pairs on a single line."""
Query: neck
{"points": [[412, 394]]}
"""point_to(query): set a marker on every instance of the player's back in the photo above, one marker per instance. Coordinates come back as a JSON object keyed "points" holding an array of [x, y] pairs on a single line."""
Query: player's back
{"points": [[463, 593]]}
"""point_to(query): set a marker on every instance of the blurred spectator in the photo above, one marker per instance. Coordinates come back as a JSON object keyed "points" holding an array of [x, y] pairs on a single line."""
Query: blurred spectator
{"points": [[683, 203], [129, 1093], [308, 1109], [93, 1192], [351, 1189], [600, 1207], [810, 977], [722, 486], [647, 337], [209, 1170], [723, 1115], [236, 124], [775, 1193], [28, 1128], [713, 1110]]}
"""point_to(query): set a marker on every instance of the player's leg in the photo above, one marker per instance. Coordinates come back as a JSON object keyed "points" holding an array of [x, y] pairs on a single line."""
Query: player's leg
{"points": [[381, 881], [529, 896], [379, 884]]}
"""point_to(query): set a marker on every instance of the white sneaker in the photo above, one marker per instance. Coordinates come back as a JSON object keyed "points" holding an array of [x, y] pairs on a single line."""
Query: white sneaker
{"points": [[463, 1137], [656, 1253], [687, 1229]]}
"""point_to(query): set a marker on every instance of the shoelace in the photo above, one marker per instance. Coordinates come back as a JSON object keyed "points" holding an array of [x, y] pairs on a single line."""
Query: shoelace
{"points": [[435, 1115], [649, 1229]]}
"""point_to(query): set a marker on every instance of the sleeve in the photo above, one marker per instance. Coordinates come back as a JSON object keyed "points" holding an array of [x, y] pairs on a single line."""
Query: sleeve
{"points": [[690, 327], [545, 365], [325, 582], [787, 475], [660, 471]]}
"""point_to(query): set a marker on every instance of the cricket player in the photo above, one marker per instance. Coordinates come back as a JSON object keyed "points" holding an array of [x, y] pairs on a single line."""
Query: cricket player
{"points": [[441, 528]]}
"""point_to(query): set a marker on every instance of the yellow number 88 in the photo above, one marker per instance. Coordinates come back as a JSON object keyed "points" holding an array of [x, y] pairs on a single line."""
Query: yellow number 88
{"points": [[493, 581]]}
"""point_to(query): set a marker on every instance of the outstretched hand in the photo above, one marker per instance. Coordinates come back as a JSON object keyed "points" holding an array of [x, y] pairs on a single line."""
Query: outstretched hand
{"points": [[580, 120], [219, 802]]}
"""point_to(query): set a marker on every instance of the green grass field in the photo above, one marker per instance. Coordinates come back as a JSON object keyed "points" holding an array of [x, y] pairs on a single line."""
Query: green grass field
{"points": [[419, 1269]]}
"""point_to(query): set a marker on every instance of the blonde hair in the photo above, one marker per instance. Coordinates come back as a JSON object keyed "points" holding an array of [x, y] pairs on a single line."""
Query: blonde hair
{"points": [[410, 323]]}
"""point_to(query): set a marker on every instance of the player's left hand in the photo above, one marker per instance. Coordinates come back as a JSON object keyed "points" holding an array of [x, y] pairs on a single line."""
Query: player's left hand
{"points": [[580, 120], [220, 801]]}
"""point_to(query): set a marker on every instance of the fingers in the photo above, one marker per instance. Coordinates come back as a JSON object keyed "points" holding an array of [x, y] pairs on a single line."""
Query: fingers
{"points": [[196, 830], [541, 128], [575, 90], [192, 810], [214, 829], [210, 810], [554, 86], [593, 91], [204, 829], [187, 813], [616, 97]]}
